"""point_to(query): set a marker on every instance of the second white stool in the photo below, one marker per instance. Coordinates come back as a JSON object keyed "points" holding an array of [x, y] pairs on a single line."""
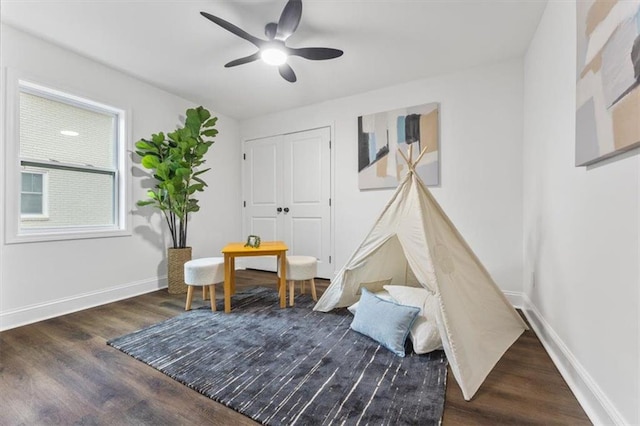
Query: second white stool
{"points": [[301, 268], [205, 272]]}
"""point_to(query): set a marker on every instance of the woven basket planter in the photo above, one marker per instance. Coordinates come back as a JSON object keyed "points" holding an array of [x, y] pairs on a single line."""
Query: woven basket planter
{"points": [[177, 257]]}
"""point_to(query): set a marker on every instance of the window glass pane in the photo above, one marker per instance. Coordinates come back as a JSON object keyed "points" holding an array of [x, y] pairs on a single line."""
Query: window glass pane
{"points": [[26, 182], [36, 182], [42, 120], [31, 204], [77, 198]]}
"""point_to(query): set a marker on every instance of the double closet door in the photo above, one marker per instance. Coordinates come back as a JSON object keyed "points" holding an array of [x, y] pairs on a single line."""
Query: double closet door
{"points": [[287, 195]]}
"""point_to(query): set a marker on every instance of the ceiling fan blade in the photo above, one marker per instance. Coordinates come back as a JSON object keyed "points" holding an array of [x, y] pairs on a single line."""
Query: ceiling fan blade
{"points": [[270, 30], [315, 53], [287, 73], [241, 61], [233, 29], [289, 19]]}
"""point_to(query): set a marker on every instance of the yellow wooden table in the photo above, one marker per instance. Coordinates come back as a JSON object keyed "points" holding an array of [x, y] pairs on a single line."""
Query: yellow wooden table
{"points": [[267, 248]]}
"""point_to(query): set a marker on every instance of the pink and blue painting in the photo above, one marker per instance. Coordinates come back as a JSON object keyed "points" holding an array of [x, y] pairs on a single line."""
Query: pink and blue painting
{"points": [[381, 135], [608, 79]]}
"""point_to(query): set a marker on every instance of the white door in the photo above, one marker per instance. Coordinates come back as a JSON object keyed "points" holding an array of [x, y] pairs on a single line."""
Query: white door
{"points": [[263, 174], [287, 195]]}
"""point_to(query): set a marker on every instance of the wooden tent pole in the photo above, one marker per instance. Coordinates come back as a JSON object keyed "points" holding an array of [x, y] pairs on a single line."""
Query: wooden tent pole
{"points": [[422, 153], [405, 158]]}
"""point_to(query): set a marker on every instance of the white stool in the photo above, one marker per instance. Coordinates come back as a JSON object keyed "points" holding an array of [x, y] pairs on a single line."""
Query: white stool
{"points": [[205, 272], [301, 268]]}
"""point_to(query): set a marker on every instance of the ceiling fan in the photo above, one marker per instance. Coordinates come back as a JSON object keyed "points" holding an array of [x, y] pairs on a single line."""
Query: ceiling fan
{"points": [[274, 50]]}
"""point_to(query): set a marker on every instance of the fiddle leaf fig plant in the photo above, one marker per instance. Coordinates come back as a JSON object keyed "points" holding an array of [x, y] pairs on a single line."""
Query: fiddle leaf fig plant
{"points": [[174, 160]]}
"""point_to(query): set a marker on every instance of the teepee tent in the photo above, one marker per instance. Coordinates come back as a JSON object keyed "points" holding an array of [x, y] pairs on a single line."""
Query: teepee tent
{"points": [[414, 243]]}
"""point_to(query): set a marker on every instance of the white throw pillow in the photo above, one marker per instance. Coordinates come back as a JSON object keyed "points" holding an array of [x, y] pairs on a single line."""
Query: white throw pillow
{"points": [[382, 294], [425, 336], [412, 296], [424, 333]]}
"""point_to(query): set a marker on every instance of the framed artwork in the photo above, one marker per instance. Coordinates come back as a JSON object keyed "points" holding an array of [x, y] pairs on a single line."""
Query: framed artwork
{"points": [[253, 241], [381, 135], [608, 79]]}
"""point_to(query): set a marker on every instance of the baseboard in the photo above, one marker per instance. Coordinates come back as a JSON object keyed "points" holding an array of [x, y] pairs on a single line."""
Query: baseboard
{"points": [[593, 400], [38, 312], [515, 298]]}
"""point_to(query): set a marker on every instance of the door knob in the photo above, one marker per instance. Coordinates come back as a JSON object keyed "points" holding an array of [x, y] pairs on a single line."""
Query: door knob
{"points": [[286, 209], [279, 209]]}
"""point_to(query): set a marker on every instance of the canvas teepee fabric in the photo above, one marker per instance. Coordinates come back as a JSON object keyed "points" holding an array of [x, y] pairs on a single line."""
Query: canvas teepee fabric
{"points": [[414, 243]]}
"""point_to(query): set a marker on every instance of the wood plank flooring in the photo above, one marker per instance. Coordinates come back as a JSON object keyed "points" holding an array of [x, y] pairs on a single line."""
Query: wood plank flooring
{"points": [[60, 371]]}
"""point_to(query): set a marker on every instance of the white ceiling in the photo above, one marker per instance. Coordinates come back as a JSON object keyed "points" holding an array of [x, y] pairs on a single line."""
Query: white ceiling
{"points": [[386, 42]]}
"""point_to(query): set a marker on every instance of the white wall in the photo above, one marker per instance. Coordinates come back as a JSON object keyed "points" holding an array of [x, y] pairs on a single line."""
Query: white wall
{"points": [[39, 280], [581, 245], [481, 160]]}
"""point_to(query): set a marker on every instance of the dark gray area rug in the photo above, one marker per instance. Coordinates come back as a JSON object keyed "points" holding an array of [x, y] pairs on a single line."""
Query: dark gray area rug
{"points": [[292, 366]]}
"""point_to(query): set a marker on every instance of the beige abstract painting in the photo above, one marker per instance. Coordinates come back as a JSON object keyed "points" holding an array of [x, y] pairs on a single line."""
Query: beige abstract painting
{"points": [[381, 135], [608, 79]]}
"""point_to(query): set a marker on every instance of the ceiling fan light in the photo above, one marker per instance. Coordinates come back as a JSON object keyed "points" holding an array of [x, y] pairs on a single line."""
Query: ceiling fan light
{"points": [[273, 56]]}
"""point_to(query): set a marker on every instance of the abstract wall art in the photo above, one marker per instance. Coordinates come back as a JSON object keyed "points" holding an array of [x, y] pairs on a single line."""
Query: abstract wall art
{"points": [[381, 135], [608, 79]]}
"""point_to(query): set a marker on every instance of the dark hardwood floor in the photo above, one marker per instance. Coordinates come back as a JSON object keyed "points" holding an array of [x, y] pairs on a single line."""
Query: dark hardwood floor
{"points": [[60, 371]]}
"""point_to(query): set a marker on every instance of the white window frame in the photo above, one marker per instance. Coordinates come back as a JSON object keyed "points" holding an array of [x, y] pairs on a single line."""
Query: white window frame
{"points": [[16, 83], [45, 196]]}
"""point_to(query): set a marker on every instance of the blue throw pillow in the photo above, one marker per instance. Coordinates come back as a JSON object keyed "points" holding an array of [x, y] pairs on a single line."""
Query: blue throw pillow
{"points": [[386, 322]]}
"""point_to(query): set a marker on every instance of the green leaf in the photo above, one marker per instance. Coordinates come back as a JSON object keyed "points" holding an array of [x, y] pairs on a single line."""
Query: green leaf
{"points": [[210, 122], [183, 172], [201, 150], [210, 133], [162, 171], [175, 153], [197, 179], [203, 114], [196, 187], [192, 123], [143, 203], [143, 144], [193, 116], [192, 205], [188, 132], [191, 142], [158, 138], [150, 162], [199, 172]]}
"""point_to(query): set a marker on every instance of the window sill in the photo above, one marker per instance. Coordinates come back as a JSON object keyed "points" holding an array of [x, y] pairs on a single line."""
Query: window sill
{"points": [[66, 234], [34, 218]]}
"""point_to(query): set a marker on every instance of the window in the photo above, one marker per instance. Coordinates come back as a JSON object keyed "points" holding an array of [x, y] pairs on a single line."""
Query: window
{"points": [[72, 165], [33, 196]]}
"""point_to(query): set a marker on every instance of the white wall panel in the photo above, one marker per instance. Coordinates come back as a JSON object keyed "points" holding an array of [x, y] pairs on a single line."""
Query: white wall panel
{"points": [[481, 134], [39, 280], [581, 235]]}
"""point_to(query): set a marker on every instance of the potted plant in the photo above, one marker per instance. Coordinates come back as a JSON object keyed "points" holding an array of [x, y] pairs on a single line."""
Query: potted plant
{"points": [[174, 160]]}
